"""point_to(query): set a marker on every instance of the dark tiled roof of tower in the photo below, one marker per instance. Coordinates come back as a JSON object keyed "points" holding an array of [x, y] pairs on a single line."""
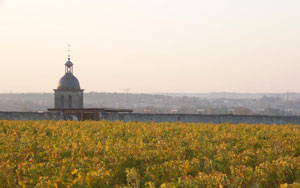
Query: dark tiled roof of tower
{"points": [[68, 82]]}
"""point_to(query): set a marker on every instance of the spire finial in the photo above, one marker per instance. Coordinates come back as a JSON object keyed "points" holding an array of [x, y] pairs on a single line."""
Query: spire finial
{"points": [[69, 50]]}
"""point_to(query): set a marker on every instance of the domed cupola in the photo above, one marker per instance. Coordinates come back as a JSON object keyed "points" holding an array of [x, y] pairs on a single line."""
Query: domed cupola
{"points": [[68, 93], [68, 81]]}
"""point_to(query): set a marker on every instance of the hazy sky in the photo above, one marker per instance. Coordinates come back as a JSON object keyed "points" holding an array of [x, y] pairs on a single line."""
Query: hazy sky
{"points": [[151, 45]]}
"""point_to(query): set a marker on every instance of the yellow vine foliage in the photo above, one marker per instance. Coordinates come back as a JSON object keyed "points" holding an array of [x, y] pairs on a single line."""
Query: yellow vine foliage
{"points": [[136, 154]]}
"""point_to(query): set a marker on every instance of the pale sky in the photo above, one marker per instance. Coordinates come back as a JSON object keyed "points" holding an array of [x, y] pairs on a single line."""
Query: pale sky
{"points": [[151, 45]]}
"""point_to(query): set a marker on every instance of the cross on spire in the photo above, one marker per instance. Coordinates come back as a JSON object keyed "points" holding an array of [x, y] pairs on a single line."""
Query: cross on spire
{"points": [[69, 64], [69, 51]]}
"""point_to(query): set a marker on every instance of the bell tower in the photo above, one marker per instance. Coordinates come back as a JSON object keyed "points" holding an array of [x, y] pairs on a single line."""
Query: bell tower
{"points": [[68, 94]]}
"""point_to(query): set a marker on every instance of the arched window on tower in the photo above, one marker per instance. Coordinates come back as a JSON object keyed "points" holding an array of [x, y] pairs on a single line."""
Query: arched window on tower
{"points": [[62, 101], [70, 102]]}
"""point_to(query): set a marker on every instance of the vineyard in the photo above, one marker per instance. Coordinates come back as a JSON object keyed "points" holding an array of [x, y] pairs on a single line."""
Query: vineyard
{"points": [[117, 154]]}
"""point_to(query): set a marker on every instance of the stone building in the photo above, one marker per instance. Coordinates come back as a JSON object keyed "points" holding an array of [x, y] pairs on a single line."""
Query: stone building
{"points": [[68, 100], [68, 94]]}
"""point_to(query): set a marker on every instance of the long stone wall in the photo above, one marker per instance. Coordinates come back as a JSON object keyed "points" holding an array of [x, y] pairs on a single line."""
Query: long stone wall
{"points": [[188, 118], [201, 118], [31, 116]]}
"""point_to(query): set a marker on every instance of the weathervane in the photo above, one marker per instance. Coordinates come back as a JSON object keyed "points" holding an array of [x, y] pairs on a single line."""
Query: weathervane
{"points": [[69, 50]]}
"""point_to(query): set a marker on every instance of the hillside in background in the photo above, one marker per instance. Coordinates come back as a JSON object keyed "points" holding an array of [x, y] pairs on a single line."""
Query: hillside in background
{"points": [[211, 103]]}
